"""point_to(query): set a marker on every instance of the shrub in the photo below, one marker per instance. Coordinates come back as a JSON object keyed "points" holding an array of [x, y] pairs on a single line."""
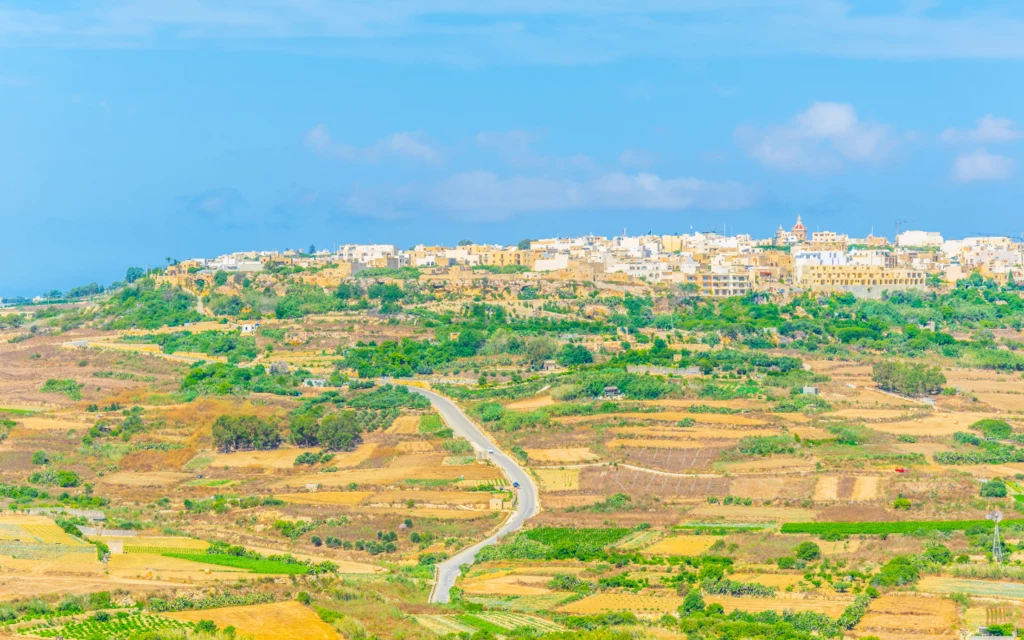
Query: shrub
{"points": [[692, 603], [994, 488], [908, 379], [808, 551], [901, 503]]}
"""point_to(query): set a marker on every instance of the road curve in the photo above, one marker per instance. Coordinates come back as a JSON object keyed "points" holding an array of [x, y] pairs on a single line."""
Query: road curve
{"points": [[526, 505]]}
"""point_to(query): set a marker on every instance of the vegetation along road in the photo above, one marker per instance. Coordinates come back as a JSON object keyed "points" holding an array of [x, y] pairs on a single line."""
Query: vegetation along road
{"points": [[526, 505]]}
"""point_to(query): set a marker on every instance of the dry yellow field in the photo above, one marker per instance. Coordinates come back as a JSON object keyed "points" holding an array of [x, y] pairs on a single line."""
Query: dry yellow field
{"points": [[899, 617], [558, 479], [759, 487], [432, 497], [694, 433], [415, 446], [733, 512], [326, 497], [671, 416], [273, 459], [927, 449], [638, 604], [1004, 401], [778, 580], [507, 585], [572, 454], [535, 402], [144, 566], [50, 424], [433, 469], [870, 414], [830, 607], [834, 547], [866, 488], [651, 443], [781, 463], [936, 424], [728, 404], [426, 512], [145, 479], [277, 621], [682, 545], [13, 586], [405, 425], [162, 542], [827, 488], [32, 529], [49, 534]]}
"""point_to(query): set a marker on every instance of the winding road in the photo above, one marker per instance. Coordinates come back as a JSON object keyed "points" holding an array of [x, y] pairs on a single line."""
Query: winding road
{"points": [[526, 505]]}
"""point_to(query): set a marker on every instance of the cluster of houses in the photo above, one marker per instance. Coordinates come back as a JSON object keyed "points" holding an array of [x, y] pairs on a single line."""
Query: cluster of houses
{"points": [[704, 264]]}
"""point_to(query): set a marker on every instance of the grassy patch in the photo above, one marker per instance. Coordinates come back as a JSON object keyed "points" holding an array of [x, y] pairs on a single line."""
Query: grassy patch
{"points": [[255, 565], [880, 528]]}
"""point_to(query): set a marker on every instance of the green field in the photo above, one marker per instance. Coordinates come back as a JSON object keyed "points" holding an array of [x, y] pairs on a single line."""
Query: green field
{"points": [[255, 565], [116, 626], [880, 528]]}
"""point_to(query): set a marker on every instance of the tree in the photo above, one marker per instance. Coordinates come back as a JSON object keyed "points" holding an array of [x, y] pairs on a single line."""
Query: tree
{"points": [[312, 249], [574, 354], [220, 278], [908, 379], [808, 551], [133, 274], [692, 603], [465, 243], [340, 431], [304, 430], [232, 433], [994, 488], [524, 244], [40, 457]]}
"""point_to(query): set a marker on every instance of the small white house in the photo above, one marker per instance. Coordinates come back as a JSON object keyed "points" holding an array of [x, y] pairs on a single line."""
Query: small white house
{"points": [[250, 328], [810, 391]]}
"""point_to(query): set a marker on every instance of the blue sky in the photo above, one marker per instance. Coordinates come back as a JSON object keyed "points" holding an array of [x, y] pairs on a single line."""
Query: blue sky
{"points": [[132, 131]]}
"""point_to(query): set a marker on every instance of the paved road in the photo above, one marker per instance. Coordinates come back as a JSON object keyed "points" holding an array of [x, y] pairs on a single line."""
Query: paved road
{"points": [[526, 506]]}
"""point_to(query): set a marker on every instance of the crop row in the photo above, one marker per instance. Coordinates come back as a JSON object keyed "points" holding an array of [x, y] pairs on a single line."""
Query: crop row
{"points": [[115, 626], [255, 565], [881, 528]]}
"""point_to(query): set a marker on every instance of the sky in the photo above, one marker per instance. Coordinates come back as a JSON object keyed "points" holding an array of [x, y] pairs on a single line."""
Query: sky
{"points": [[136, 131]]}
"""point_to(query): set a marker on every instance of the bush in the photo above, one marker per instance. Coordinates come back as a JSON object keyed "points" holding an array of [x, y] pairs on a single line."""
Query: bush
{"points": [[67, 386], [899, 571], [40, 458], [993, 429], [233, 433], [901, 503], [692, 603], [994, 488], [908, 379], [808, 551]]}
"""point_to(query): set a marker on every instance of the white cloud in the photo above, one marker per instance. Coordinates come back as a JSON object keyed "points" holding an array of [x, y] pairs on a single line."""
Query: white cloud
{"points": [[989, 130], [818, 140], [402, 145], [481, 195], [981, 165], [516, 147]]}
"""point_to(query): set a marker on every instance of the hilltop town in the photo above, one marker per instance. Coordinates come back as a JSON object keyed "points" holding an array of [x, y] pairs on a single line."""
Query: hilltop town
{"points": [[678, 436]]}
